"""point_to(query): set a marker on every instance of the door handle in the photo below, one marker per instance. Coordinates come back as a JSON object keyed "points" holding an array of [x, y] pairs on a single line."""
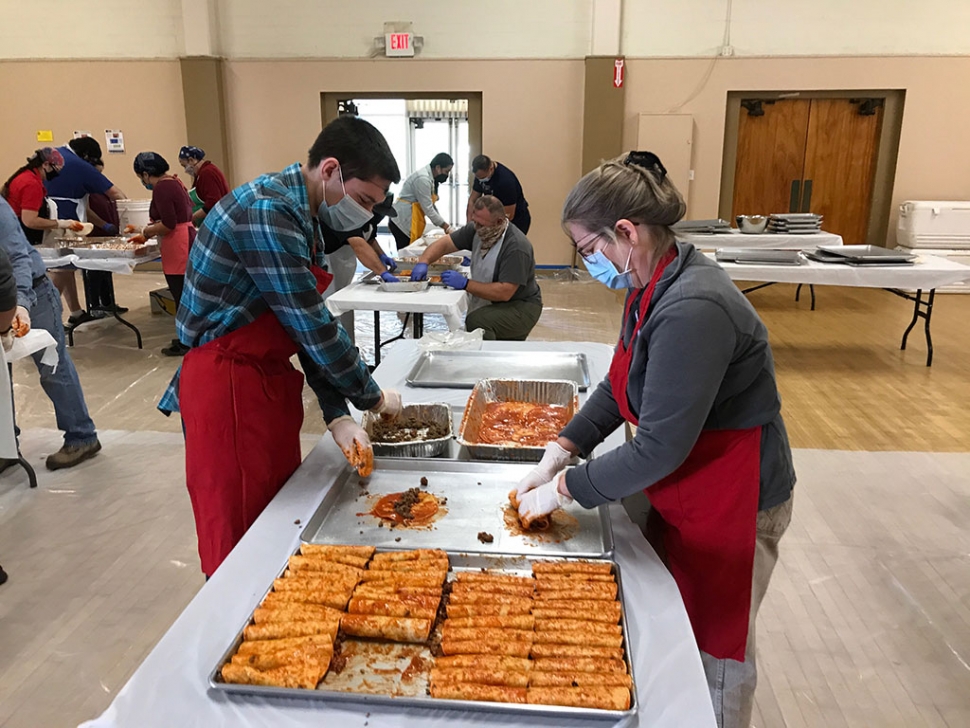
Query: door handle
{"points": [[807, 196], [795, 196]]}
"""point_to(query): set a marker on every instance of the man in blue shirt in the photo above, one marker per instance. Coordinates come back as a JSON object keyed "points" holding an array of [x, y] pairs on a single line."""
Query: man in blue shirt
{"points": [[39, 305], [492, 178], [77, 179]]}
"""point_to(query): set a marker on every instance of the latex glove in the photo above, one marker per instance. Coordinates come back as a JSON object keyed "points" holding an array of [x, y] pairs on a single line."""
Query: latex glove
{"points": [[454, 279], [389, 262], [419, 272], [354, 444], [21, 322], [389, 277], [110, 229], [542, 501], [7, 340], [390, 406], [554, 459], [131, 229], [466, 261], [137, 239]]}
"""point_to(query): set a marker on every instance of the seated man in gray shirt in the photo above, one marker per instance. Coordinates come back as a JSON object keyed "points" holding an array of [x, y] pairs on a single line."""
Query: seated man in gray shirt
{"points": [[504, 298]]}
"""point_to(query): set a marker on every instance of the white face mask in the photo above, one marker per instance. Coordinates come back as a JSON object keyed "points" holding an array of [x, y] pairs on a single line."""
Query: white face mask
{"points": [[346, 215]]}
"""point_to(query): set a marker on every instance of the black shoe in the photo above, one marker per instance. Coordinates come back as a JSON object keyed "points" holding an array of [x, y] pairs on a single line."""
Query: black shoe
{"points": [[82, 318], [3, 576], [6, 463], [176, 348]]}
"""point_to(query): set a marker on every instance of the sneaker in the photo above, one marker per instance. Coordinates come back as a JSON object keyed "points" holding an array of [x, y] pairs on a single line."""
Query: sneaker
{"points": [[6, 463], [176, 348], [75, 320], [71, 455], [3, 576]]}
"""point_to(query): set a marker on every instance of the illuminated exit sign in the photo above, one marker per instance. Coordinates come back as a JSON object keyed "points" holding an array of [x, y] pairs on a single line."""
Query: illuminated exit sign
{"points": [[398, 44]]}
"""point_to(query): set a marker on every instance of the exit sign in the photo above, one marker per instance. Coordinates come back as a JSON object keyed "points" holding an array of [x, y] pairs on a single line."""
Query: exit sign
{"points": [[398, 44]]}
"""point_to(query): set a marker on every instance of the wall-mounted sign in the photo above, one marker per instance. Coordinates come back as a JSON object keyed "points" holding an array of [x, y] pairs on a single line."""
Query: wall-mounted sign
{"points": [[398, 44], [114, 140], [45, 135]]}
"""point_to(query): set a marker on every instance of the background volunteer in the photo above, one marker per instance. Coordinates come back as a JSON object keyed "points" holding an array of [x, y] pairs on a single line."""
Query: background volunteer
{"points": [[417, 198], [210, 184], [344, 249], [252, 300], [492, 178], [69, 190], [505, 299], [693, 371], [39, 305], [171, 220], [27, 196]]}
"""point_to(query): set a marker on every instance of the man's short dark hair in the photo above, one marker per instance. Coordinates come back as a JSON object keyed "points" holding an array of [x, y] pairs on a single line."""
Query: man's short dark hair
{"points": [[87, 148], [491, 203], [481, 163], [359, 147]]}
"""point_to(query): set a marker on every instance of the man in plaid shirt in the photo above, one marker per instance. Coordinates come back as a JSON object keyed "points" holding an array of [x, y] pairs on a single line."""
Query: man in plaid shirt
{"points": [[252, 300]]}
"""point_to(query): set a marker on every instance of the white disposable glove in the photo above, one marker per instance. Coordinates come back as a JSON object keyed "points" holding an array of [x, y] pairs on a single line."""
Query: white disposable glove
{"points": [[542, 501], [7, 340], [390, 406], [553, 460], [354, 444], [21, 320]]}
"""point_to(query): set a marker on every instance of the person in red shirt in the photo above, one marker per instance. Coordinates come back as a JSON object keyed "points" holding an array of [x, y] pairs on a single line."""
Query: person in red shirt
{"points": [[171, 220], [210, 182], [25, 192]]}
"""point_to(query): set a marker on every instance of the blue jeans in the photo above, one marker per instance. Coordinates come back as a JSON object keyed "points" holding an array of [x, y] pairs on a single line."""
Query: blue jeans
{"points": [[62, 385]]}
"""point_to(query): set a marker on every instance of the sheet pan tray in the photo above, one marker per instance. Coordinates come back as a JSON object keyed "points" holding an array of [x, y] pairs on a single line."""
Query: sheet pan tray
{"points": [[463, 369], [341, 688], [477, 497]]}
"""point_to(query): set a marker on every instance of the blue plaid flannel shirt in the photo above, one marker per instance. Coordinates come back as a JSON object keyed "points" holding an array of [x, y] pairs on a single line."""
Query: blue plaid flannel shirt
{"points": [[252, 255]]}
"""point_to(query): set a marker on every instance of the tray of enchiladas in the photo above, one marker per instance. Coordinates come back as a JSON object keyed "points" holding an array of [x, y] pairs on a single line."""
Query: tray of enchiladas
{"points": [[437, 629], [452, 504]]}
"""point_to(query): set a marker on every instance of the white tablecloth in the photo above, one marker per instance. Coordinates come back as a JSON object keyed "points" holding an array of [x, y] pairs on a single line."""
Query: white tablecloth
{"points": [[170, 688], [35, 340], [448, 302], [737, 239], [125, 266], [928, 273]]}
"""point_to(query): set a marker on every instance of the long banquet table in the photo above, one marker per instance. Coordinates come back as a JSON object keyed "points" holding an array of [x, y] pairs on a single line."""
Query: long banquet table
{"points": [[171, 685]]}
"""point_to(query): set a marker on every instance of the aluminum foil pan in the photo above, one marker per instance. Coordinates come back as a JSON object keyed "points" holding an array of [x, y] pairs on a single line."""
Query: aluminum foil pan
{"points": [[550, 391], [435, 413], [445, 262], [404, 286]]}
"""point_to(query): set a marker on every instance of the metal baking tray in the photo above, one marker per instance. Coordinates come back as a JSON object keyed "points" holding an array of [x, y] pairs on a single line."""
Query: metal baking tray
{"points": [[141, 251], [463, 369], [866, 253], [372, 279], [477, 496], [445, 262], [558, 392], [436, 413], [404, 286], [345, 686]]}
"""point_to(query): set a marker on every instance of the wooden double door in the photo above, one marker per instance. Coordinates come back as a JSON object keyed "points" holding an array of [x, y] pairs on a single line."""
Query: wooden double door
{"points": [[809, 155]]}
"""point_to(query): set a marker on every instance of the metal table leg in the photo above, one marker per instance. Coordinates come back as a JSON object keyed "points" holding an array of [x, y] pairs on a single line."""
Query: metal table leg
{"points": [[922, 309], [811, 288], [21, 460], [377, 338], [418, 325], [758, 287], [112, 310]]}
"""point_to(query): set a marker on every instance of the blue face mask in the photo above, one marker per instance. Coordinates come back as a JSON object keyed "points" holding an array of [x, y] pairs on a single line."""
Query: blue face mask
{"points": [[346, 215], [147, 185], [603, 270]]}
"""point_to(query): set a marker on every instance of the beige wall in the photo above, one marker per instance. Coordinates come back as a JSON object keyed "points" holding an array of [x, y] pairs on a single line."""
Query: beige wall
{"points": [[934, 150], [142, 98], [532, 119]]}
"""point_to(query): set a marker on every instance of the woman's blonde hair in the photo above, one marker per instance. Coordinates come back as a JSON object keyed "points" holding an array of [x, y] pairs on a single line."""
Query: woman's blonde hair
{"points": [[634, 187]]}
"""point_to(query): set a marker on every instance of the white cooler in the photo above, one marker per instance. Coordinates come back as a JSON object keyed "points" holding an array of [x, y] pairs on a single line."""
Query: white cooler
{"points": [[940, 225]]}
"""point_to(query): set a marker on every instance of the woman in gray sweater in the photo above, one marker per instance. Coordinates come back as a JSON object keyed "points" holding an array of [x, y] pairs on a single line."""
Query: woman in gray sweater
{"points": [[693, 372]]}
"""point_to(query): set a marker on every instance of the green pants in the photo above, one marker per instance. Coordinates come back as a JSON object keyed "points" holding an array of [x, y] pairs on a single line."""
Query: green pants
{"points": [[509, 321]]}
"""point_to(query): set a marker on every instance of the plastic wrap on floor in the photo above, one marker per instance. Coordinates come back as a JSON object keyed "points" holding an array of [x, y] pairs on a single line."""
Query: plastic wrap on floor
{"points": [[392, 328]]}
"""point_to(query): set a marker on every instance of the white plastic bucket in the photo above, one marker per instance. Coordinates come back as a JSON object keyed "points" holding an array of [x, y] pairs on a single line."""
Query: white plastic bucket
{"points": [[133, 212]]}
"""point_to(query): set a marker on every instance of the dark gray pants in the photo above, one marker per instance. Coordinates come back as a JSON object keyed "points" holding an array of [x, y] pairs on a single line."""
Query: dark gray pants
{"points": [[508, 321]]}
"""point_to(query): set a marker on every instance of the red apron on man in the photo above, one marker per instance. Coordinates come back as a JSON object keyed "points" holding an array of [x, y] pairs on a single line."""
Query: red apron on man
{"points": [[242, 408], [709, 507]]}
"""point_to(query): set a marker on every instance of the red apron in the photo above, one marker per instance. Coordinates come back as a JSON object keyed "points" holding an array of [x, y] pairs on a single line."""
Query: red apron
{"points": [[709, 507], [175, 249], [242, 408]]}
